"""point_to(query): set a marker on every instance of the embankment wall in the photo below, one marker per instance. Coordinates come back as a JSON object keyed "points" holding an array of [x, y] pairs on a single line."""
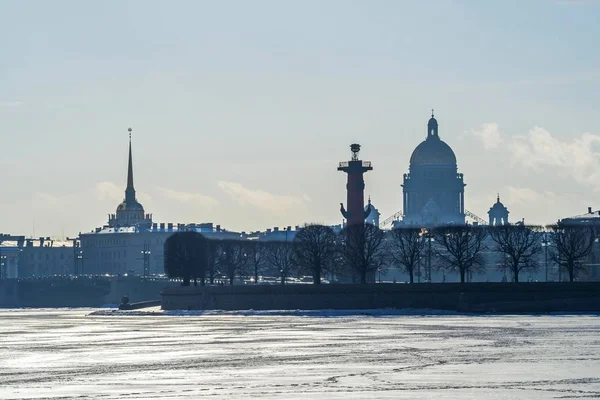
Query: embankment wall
{"points": [[78, 291], [477, 297]]}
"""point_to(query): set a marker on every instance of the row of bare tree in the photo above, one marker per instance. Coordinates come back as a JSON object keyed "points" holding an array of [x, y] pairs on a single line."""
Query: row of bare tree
{"points": [[358, 252], [463, 249]]}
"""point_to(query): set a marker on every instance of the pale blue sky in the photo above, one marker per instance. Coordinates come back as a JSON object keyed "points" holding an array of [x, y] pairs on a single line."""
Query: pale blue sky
{"points": [[241, 110]]}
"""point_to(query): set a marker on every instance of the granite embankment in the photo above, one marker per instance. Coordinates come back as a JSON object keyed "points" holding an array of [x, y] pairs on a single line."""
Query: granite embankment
{"points": [[468, 297], [79, 291]]}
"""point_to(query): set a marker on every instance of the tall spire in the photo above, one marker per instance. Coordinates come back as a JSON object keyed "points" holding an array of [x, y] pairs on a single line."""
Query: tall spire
{"points": [[130, 191]]}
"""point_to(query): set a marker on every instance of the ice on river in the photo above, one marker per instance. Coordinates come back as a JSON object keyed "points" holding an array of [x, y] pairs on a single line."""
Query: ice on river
{"points": [[70, 354]]}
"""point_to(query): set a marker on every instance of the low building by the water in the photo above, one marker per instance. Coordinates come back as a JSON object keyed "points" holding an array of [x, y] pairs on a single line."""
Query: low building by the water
{"points": [[47, 257], [136, 250], [22, 257]]}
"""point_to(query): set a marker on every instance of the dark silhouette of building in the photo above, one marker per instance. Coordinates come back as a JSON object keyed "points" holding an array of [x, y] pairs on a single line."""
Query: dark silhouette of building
{"points": [[498, 214], [433, 190], [592, 264], [355, 168], [591, 218], [374, 214], [130, 212]]}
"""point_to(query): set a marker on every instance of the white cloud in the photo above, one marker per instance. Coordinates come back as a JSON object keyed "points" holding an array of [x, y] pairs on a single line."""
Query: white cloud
{"points": [[539, 151], [520, 196], [278, 204], [489, 135], [52, 211], [187, 197], [108, 191], [541, 206]]}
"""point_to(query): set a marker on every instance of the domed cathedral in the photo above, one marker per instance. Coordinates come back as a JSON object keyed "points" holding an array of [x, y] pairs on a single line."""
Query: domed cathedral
{"points": [[130, 212], [433, 190]]}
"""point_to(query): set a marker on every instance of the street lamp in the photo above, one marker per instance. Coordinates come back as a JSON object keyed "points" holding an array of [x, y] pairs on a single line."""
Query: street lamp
{"points": [[3, 267], [426, 235], [545, 244], [146, 257], [80, 262]]}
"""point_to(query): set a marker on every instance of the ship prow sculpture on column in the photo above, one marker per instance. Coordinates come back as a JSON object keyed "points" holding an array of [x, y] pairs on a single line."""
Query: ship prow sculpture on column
{"points": [[356, 213]]}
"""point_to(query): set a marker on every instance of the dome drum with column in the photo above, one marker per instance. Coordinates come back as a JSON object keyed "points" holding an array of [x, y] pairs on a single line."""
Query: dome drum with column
{"points": [[498, 214], [433, 190]]}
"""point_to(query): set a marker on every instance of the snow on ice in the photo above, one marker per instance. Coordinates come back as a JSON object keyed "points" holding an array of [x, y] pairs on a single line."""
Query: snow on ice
{"points": [[297, 355]]}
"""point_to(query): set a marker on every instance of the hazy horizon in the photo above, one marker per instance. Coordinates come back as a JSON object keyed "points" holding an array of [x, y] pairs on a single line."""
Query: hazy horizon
{"points": [[241, 110]]}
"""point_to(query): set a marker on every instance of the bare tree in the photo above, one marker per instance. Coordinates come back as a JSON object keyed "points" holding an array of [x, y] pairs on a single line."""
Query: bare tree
{"points": [[459, 248], [519, 245], [338, 269], [364, 249], [233, 258], [407, 246], [315, 247], [255, 252], [185, 257], [574, 243], [280, 257], [213, 251]]}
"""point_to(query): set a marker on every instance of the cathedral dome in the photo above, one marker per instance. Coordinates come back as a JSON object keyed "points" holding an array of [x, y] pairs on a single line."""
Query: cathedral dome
{"points": [[433, 150], [433, 190], [130, 206]]}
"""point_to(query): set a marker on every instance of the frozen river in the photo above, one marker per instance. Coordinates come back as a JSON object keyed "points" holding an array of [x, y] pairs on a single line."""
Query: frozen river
{"points": [[68, 354]]}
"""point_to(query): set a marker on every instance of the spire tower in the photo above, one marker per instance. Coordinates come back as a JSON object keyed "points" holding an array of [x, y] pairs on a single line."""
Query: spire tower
{"points": [[130, 212], [129, 190]]}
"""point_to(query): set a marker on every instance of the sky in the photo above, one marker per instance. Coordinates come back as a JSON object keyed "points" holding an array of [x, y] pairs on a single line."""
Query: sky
{"points": [[241, 110]]}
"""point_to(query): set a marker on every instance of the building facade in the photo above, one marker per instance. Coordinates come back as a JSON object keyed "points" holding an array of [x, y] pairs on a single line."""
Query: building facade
{"points": [[46, 257], [9, 260], [22, 257], [136, 250]]}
